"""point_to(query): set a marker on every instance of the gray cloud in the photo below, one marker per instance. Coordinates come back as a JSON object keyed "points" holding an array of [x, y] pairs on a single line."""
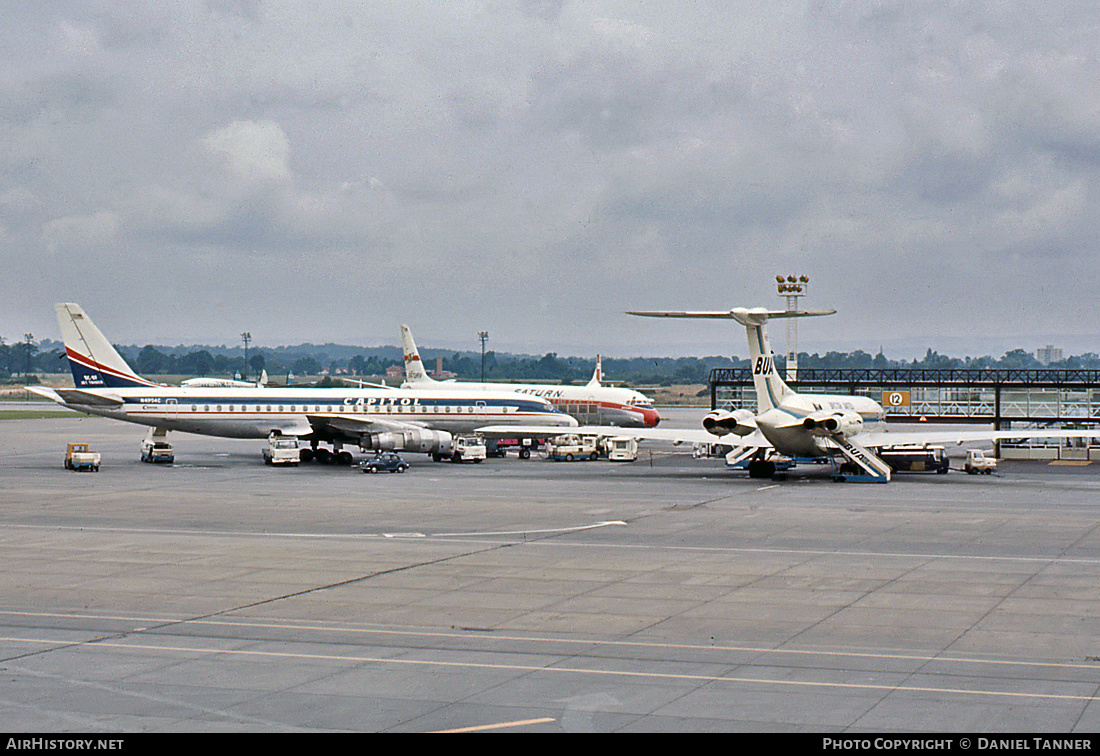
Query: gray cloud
{"points": [[536, 168]]}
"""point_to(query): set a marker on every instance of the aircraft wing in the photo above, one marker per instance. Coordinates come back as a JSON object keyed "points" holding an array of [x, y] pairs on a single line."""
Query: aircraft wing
{"points": [[673, 435], [879, 439], [355, 426]]}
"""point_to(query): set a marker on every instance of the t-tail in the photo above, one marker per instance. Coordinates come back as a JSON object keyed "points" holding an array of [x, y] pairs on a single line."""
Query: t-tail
{"points": [[94, 362], [770, 388], [414, 367]]}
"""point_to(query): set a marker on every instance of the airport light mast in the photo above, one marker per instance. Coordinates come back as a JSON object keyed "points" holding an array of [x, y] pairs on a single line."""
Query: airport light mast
{"points": [[28, 339], [246, 336], [792, 288], [484, 336]]}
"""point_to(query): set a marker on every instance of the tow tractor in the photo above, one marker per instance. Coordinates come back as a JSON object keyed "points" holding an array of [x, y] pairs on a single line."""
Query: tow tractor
{"points": [[978, 462], [80, 458]]}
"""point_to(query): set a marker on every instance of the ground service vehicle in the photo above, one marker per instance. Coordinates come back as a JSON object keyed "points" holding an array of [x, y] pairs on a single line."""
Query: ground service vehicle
{"points": [[464, 449], [524, 446], [571, 447], [978, 462], [281, 450], [80, 458], [621, 449], [916, 459], [153, 450], [384, 462]]}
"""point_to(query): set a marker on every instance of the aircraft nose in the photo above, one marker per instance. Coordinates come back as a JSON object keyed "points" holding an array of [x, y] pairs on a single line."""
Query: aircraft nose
{"points": [[650, 418]]}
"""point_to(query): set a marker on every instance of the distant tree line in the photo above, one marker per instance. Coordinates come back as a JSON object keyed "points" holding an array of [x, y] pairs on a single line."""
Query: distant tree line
{"points": [[18, 358], [24, 357]]}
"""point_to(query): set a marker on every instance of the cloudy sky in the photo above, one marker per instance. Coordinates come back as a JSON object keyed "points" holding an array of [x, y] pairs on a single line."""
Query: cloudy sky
{"points": [[325, 171]]}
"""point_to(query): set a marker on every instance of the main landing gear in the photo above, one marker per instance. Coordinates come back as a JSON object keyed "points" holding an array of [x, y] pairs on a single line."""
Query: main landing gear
{"points": [[761, 468], [325, 457]]}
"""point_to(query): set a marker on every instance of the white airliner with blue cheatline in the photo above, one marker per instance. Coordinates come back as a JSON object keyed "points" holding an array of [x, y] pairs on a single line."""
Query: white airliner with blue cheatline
{"points": [[371, 418]]}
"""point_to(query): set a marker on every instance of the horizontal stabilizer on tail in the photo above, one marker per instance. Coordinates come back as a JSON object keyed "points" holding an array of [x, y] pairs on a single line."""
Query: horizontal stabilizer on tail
{"points": [[742, 315], [87, 399]]}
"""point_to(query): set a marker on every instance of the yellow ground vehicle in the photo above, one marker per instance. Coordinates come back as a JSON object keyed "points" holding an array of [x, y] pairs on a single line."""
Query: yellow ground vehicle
{"points": [[81, 458]]}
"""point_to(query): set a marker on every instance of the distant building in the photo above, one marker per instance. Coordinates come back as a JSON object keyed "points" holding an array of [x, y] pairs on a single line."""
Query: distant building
{"points": [[1048, 354], [439, 373], [395, 371]]}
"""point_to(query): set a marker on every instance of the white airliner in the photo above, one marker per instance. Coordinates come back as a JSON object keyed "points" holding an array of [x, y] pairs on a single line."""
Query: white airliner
{"points": [[807, 425], [593, 402], [222, 382], [372, 418]]}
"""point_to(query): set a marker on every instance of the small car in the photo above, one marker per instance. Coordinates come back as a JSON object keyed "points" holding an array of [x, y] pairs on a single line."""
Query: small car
{"points": [[384, 462]]}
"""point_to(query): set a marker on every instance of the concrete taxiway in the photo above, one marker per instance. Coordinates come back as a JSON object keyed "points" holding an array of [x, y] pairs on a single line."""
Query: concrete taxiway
{"points": [[668, 594]]}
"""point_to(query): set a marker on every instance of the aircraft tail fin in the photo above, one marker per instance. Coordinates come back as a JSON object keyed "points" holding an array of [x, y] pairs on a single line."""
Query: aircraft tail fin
{"points": [[414, 368], [771, 390], [597, 374], [94, 362]]}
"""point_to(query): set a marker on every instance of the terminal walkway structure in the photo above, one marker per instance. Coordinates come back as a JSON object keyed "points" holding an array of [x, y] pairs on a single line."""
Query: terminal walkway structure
{"points": [[1003, 397]]}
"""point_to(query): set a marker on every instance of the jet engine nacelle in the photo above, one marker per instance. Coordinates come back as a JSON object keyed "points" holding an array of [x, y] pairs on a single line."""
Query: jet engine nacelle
{"points": [[412, 440], [834, 424], [740, 422]]}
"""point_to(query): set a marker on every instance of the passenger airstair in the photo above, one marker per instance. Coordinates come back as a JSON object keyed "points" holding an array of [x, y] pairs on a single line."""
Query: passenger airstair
{"points": [[871, 468], [740, 456]]}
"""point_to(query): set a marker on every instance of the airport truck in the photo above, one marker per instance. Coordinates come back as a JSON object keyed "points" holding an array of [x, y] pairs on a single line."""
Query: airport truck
{"points": [[916, 459], [977, 462], [464, 449], [281, 450], [157, 450], [80, 458], [621, 448], [570, 447], [523, 446]]}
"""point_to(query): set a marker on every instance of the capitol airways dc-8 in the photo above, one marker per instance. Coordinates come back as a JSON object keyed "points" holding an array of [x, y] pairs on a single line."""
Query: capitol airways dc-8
{"points": [[379, 418]]}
